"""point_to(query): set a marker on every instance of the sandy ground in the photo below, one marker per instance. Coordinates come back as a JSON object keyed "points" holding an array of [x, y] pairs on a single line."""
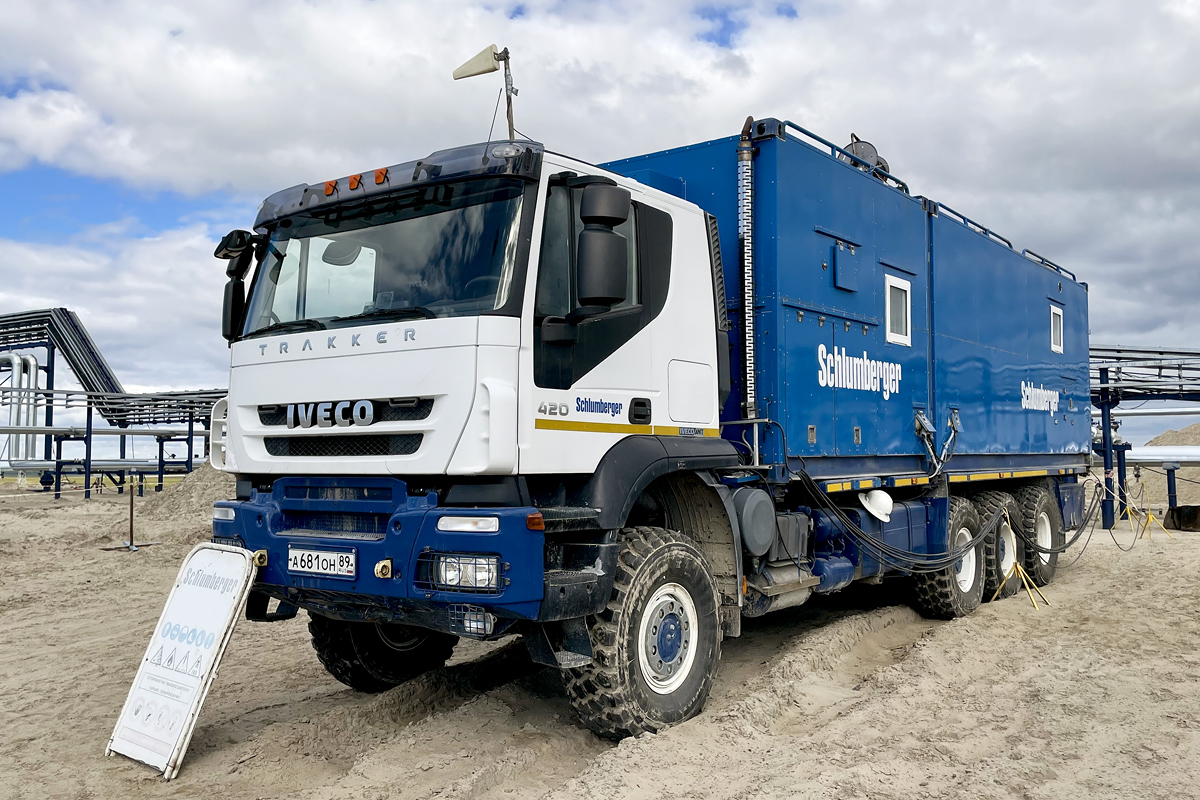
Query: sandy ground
{"points": [[1096, 696]]}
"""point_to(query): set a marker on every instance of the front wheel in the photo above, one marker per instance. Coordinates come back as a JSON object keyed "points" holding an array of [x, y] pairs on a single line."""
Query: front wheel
{"points": [[657, 644], [374, 656]]}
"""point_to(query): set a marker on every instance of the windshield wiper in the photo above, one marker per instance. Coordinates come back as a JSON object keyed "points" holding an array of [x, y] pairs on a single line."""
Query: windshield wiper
{"points": [[289, 325], [391, 313]]}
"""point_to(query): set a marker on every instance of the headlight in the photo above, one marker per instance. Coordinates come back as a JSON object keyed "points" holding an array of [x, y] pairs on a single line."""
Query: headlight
{"points": [[222, 513], [467, 572], [469, 524]]}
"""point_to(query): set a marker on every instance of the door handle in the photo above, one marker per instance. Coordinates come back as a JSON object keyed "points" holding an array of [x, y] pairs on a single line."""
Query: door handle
{"points": [[639, 411]]}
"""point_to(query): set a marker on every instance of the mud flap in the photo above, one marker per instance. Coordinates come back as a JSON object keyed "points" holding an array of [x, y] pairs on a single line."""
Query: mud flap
{"points": [[564, 644], [256, 609]]}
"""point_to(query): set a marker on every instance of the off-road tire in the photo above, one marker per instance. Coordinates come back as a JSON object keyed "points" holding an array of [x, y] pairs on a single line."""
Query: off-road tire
{"points": [[1035, 500], [996, 562], [613, 695], [373, 657], [938, 594]]}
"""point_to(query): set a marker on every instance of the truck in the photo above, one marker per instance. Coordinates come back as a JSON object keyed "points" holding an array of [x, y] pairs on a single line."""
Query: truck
{"points": [[618, 408]]}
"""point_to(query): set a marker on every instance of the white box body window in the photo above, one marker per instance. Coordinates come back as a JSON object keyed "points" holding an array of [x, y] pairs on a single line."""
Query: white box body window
{"points": [[898, 310], [1056, 329]]}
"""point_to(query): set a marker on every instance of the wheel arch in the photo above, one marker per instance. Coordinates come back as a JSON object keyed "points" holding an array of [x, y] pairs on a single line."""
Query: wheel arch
{"points": [[697, 505], [668, 481]]}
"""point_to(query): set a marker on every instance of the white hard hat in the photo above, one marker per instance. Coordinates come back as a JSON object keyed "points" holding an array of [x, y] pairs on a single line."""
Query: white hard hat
{"points": [[878, 502]]}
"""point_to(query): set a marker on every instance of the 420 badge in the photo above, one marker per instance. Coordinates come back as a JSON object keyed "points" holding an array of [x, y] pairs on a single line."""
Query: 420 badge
{"points": [[553, 409]]}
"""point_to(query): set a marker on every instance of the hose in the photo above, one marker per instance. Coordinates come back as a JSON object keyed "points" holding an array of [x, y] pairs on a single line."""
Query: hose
{"points": [[907, 560]]}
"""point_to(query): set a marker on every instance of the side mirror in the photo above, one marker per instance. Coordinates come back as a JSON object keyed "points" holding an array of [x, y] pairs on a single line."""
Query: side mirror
{"points": [[233, 309], [602, 266], [233, 244], [237, 247]]}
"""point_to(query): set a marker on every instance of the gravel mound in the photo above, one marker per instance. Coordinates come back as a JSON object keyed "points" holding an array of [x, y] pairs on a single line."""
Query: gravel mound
{"points": [[191, 499], [1188, 478]]}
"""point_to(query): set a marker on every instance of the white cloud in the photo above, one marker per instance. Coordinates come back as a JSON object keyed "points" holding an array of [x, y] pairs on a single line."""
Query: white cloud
{"points": [[1069, 128], [153, 305]]}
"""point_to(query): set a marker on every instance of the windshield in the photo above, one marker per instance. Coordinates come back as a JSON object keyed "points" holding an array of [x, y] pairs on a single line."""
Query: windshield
{"points": [[437, 251]]}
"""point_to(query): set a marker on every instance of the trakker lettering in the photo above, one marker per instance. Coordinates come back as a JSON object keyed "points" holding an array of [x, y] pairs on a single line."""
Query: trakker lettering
{"points": [[586, 405], [837, 370], [410, 335], [1038, 398]]}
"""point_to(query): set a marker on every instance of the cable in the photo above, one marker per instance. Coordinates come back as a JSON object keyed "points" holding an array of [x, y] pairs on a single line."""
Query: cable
{"points": [[1089, 521], [907, 560], [1161, 472], [494, 113]]}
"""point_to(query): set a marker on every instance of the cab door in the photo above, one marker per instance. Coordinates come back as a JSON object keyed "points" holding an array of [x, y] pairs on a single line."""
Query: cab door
{"points": [[587, 378]]}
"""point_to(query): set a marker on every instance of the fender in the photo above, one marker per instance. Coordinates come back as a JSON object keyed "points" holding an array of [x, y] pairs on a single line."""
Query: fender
{"points": [[634, 462]]}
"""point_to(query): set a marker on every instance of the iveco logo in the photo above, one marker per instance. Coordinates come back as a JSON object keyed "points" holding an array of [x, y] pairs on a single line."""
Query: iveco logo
{"points": [[326, 415]]}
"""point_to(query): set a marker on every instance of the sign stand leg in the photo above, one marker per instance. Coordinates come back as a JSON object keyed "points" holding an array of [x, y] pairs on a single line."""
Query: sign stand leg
{"points": [[130, 546]]}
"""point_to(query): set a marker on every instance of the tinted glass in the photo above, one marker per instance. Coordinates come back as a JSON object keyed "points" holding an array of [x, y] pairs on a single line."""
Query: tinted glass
{"points": [[898, 311], [556, 284], [449, 249]]}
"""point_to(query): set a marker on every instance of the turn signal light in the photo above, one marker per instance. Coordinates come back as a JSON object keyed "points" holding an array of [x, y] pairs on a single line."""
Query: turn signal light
{"points": [[535, 521]]}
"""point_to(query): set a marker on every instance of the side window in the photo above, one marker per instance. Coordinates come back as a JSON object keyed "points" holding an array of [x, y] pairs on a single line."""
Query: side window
{"points": [[556, 293], [1056, 329], [898, 310], [554, 290]]}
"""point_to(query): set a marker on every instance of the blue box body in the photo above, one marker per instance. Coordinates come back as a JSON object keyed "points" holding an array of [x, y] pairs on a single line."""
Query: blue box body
{"points": [[980, 316]]}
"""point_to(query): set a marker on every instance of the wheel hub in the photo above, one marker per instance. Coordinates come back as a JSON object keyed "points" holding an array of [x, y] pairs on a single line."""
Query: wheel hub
{"points": [[667, 638], [1044, 537], [670, 640], [1006, 547], [964, 568]]}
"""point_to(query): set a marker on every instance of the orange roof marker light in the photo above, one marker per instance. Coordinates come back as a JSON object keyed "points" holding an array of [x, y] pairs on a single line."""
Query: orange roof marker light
{"points": [[355, 180], [380, 175], [330, 187]]}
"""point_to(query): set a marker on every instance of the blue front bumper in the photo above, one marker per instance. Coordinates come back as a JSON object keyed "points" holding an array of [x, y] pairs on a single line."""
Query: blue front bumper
{"points": [[377, 519]]}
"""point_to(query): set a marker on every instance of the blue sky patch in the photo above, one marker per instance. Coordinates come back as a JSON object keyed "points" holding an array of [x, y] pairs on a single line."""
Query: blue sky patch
{"points": [[50, 205], [723, 26]]}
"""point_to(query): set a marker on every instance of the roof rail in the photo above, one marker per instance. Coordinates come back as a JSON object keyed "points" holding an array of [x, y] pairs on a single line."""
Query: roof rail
{"points": [[1045, 262], [871, 168], [975, 226]]}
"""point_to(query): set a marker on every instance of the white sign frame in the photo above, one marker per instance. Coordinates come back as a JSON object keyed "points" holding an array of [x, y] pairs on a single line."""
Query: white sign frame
{"points": [[155, 748]]}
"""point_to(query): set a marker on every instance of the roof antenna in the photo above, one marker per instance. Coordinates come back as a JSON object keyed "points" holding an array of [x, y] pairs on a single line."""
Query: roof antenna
{"points": [[488, 60]]}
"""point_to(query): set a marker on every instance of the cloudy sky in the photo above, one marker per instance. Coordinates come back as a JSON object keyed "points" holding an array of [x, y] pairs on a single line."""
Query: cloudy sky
{"points": [[133, 134]]}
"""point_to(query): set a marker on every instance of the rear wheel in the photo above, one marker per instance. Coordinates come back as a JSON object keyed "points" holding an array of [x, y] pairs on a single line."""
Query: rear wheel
{"points": [[657, 645], [374, 656], [1003, 548], [956, 590], [1040, 523]]}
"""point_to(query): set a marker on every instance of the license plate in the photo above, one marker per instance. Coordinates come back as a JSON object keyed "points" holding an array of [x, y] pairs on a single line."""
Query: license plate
{"points": [[322, 562]]}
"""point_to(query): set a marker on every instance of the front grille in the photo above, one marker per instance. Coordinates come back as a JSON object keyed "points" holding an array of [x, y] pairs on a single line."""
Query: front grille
{"points": [[335, 524], [305, 492], [395, 409], [401, 444]]}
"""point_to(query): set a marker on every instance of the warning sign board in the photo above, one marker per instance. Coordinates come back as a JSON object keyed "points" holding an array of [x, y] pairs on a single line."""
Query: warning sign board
{"points": [[181, 660]]}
